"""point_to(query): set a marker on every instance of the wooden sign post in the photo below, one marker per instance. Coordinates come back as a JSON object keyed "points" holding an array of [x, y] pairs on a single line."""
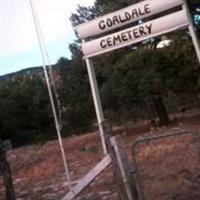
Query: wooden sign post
{"points": [[97, 101], [137, 33]]}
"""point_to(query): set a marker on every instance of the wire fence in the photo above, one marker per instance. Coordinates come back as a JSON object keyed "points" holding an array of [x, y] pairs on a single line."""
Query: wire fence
{"points": [[169, 168]]}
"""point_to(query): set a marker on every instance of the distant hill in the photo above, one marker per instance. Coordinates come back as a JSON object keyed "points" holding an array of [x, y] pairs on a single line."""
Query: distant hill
{"points": [[29, 71]]}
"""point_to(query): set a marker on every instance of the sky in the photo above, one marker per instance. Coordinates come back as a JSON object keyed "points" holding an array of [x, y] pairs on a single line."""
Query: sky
{"points": [[19, 46]]}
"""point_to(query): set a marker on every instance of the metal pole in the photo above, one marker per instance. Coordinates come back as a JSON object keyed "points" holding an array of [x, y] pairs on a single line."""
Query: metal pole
{"points": [[192, 31], [97, 101]]}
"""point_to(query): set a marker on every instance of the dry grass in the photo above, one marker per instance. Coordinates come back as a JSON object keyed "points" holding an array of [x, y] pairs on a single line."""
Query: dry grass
{"points": [[169, 169]]}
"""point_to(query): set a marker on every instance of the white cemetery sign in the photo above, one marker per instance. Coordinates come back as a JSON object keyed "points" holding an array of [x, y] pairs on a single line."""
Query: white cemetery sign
{"points": [[125, 16], [137, 33]]}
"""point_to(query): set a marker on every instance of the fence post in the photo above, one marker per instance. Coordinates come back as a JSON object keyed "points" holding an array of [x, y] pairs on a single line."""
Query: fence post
{"points": [[121, 168], [6, 173]]}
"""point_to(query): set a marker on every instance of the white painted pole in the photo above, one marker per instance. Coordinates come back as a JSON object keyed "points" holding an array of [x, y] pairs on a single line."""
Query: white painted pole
{"points": [[97, 100], [192, 31], [52, 81], [51, 96]]}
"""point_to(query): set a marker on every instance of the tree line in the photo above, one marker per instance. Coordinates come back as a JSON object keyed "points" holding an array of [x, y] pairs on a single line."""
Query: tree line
{"points": [[137, 82]]}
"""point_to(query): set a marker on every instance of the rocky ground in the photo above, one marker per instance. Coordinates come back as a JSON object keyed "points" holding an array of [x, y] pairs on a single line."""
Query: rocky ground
{"points": [[169, 169]]}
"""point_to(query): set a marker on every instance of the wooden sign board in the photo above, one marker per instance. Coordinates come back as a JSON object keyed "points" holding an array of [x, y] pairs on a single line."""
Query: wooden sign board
{"points": [[125, 16], [135, 34]]}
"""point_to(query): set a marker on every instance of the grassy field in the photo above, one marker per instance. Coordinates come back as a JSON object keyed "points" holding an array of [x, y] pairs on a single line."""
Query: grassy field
{"points": [[169, 169]]}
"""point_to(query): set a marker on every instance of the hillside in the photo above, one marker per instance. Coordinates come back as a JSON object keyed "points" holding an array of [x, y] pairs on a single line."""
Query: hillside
{"points": [[25, 72]]}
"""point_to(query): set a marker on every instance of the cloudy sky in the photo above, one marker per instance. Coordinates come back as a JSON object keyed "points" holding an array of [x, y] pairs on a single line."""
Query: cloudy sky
{"points": [[18, 40]]}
